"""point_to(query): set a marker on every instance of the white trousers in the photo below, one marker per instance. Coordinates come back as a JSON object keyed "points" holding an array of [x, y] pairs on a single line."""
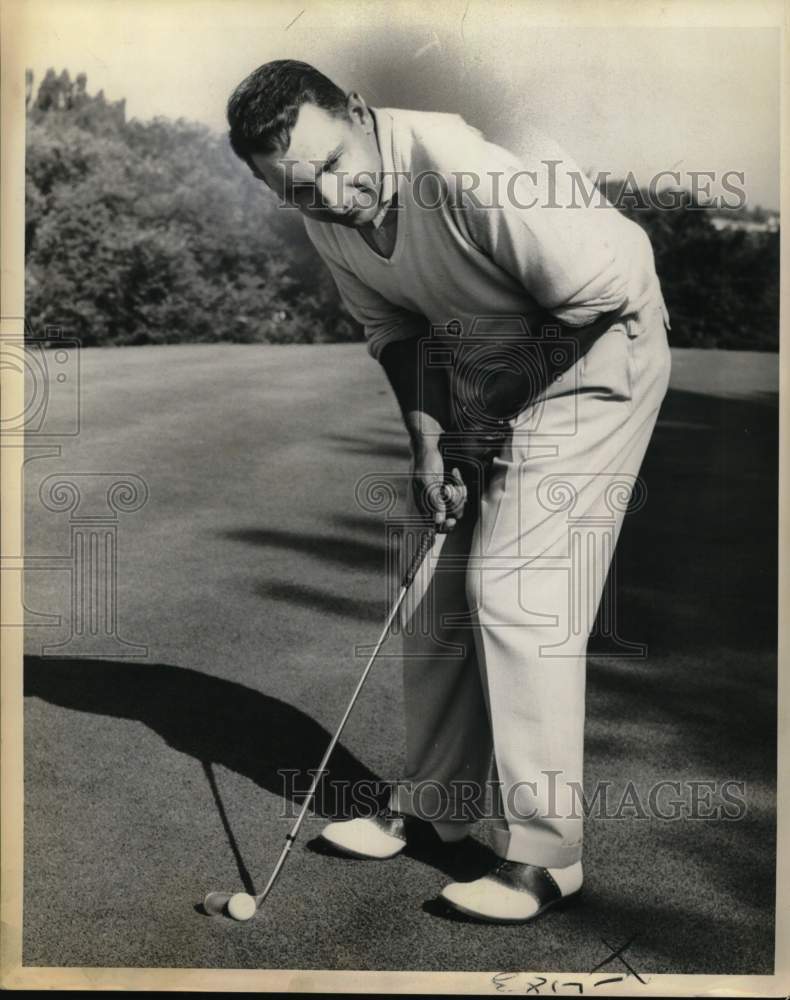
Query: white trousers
{"points": [[495, 632]]}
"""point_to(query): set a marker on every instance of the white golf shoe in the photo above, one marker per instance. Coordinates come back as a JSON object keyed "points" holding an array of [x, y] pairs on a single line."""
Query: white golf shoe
{"points": [[378, 837], [386, 834], [514, 892]]}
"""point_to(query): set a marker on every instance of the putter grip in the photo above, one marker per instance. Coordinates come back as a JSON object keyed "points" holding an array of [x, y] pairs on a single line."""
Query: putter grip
{"points": [[426, 544]]}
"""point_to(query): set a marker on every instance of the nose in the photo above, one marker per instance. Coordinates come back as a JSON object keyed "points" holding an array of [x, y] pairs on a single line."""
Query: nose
{"points": [[331, 190]]}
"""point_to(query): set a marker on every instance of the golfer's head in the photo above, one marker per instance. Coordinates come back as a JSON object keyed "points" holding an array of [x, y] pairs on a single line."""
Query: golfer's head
{"points": [[311, 143]]}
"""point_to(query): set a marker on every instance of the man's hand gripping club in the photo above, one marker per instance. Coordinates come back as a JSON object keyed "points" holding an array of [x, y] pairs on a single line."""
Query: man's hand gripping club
{"points": [[444, 460], [440, 496]]}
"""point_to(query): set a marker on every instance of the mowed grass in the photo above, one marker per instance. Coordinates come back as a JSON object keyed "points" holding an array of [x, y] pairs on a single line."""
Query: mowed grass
{"points": [[252, 575]]}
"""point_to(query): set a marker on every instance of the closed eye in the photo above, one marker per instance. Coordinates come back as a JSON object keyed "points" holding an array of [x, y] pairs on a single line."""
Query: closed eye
{"points": [[325, 168], [331, 161]]}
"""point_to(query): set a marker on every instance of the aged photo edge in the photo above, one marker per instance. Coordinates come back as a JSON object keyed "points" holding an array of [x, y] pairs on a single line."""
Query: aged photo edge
{"points": [[13, 975]]}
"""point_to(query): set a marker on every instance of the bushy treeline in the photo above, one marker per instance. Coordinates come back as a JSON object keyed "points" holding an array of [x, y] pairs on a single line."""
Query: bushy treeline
{"points": [[721, 286], [152, 232]]}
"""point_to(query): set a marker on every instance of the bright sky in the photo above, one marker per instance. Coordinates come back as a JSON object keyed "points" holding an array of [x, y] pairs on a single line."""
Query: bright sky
{"points": [[618, 96]]}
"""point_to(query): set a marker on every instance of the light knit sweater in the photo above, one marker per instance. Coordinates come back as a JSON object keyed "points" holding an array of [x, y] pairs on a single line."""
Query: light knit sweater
{"points": [[484, 234]]}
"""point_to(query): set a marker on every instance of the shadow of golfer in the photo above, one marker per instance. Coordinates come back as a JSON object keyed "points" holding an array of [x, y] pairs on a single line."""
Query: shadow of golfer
{"points": [[220, 722], [213, 720]]}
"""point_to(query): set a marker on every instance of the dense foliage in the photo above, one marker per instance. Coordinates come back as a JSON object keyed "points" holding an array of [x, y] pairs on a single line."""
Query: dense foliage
{"points": [[152, 232], [721, 286]]}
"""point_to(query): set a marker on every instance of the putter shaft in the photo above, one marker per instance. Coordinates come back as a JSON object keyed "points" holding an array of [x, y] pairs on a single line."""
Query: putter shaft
{"points": [[215, 901]]}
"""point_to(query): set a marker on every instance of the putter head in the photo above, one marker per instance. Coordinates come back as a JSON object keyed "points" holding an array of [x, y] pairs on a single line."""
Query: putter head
{"points": [[215, 903]]}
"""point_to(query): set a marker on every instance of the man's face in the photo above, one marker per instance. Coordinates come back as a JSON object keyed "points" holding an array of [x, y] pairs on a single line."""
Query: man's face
{"points": [[331, 170]]}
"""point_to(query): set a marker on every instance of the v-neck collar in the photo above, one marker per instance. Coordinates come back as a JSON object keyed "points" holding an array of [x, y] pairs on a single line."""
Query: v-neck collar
{"points": [[384, 137], [389, 187], [386, 224]]}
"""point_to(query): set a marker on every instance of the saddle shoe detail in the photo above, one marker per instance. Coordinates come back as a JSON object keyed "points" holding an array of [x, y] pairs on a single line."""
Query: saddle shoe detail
{"points": [[514, 892]]}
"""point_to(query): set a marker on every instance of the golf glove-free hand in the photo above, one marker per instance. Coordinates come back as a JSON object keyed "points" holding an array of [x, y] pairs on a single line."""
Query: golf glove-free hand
{"points": [[438, 495]]}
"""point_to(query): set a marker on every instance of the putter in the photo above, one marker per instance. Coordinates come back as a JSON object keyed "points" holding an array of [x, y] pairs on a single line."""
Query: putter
{"points": [[242, 906]]}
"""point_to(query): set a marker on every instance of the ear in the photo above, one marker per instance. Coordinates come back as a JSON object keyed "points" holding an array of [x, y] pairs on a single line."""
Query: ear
{"points": [[359, 112]]}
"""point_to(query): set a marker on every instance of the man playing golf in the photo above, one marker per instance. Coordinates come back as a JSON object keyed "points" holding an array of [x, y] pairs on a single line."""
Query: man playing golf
{"points": [[522, 327]]}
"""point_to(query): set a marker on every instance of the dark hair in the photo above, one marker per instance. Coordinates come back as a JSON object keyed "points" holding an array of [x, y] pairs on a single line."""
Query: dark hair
{"points": [[262, 110]]}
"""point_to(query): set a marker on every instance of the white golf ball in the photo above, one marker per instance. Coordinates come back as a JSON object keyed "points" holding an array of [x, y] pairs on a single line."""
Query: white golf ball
{"points": [[241, 906]]}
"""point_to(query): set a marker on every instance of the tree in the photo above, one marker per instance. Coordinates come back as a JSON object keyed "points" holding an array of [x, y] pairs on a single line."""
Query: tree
{"points": [[152, 232], [721, 287]]}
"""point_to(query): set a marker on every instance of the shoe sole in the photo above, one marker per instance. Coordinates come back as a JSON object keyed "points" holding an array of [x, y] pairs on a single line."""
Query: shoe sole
{"points": [[482, 918], [351, 853]]}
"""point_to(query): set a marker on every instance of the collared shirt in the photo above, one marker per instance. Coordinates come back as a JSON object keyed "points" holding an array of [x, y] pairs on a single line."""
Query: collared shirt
{"points": [[382, 233], [483, 234], [383, 125]]}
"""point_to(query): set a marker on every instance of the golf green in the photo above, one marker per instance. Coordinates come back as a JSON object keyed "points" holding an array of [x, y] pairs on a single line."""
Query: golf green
{"points": [[250, 576]]}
